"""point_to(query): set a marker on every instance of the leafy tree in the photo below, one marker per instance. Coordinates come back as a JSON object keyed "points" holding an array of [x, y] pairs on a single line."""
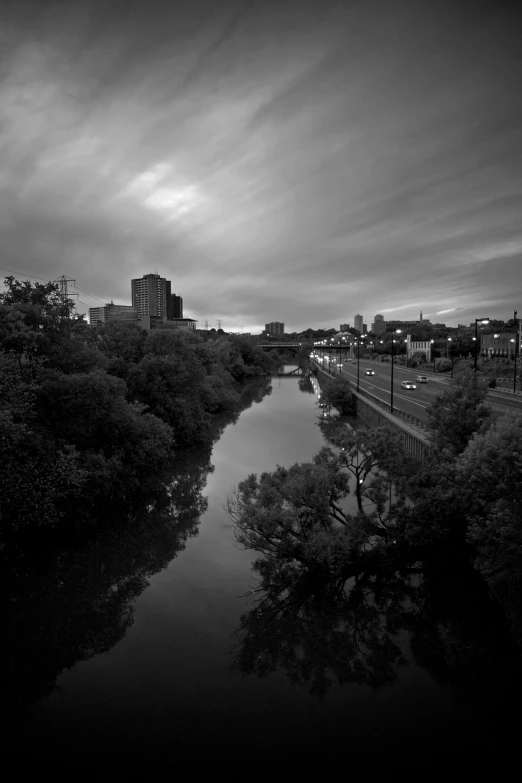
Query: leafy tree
{"points": [[337, 393], [457, 414], [491, 470]]}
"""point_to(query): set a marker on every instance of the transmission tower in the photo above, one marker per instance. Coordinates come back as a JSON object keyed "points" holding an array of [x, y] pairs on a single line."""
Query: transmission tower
{"points": [[206, 323], [219, 322], [65, 296]]}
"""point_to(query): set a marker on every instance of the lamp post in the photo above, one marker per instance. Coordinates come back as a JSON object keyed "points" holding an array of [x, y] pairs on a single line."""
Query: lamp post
{"points": [[391, 386], [516, 351], [433, 349], [477, 322], [358, 359], [448, 347]]}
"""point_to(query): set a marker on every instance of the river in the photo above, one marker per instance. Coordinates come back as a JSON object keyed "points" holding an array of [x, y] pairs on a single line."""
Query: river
{"points": [[126, 649]]}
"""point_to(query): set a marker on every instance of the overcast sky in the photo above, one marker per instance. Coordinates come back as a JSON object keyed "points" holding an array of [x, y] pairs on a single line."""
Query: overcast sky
{"points": [[277, 160]]}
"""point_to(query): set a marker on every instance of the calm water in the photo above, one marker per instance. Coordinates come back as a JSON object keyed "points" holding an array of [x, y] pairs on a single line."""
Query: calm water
{"points": [[146, 623]]}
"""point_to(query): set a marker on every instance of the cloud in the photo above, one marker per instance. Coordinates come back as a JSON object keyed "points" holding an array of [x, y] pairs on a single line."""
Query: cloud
{"points": [[298, 164]]}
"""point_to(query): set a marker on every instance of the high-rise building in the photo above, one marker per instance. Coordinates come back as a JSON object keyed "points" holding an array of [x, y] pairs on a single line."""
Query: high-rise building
{"points": [[365, 328], [378, 326], [275, 329], [110, 312], [150, 295], [174, 307], [344, 327], [358, 323]]}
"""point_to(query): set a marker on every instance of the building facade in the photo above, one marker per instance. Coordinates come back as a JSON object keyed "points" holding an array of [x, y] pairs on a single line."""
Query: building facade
{"points": [[358, 323], [275, 329], [150, 295], [110, 312], [379, 325], [418, 346], [498, 344], [344, 327], [174, 307]]}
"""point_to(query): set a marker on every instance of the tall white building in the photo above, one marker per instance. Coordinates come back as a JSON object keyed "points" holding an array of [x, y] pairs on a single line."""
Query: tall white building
{"points": [[358, 323]]}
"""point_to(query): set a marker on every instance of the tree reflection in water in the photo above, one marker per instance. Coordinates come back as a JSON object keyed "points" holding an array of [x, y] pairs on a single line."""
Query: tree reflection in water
{"points": [[65, 605], [306, 385], [357, 631]]}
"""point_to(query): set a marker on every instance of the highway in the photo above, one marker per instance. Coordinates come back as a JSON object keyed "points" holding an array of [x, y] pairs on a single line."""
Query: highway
{"points": [[414, 401]]}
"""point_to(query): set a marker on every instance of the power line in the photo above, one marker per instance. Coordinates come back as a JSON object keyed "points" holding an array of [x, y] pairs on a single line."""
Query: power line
{"points": [[45, 279]]}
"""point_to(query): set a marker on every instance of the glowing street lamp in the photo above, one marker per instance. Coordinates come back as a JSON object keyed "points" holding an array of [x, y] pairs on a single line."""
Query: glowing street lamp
{"points": [[477, 322], [398, 331]]}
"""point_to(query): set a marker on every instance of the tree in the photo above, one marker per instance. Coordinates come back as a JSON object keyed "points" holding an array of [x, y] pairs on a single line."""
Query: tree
{"points": [[491, 470], [457, 414], [337, 393]]}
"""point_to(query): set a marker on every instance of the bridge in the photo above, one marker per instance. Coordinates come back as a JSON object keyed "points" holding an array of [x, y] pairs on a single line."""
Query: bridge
{"points": [[297, 371], [268, 346]]}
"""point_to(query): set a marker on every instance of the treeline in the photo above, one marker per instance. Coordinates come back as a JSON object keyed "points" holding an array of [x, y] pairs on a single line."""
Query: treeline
{"points": [[463, 504], [90, 417]]}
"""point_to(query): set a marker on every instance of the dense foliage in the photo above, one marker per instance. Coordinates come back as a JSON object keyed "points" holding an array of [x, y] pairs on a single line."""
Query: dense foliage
{"points": [[90, 417], [361, 503]]}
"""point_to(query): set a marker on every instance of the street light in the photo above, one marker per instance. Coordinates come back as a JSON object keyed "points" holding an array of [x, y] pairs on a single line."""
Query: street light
{"points": [[448, 347], [477, 322], [398, 331], [358, 359], [433, 349], [516, 351]]}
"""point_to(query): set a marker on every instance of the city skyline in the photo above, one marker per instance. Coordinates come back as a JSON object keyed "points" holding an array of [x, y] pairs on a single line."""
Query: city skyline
{"points": [[350, 156]]}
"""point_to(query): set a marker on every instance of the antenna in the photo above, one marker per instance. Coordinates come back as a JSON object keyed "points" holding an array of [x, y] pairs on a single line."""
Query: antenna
{"points": [[64, 293]]}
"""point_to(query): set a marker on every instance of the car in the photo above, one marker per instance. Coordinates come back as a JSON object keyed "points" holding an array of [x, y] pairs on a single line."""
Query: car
{"points": [[353, 361], [422, 379], [408, 385], [370, 372]]}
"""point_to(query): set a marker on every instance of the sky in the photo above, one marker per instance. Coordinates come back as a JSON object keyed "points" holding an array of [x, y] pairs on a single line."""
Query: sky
{"points": [[276, 160]]}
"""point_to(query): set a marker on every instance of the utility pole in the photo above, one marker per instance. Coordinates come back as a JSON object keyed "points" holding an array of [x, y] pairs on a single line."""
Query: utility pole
{"points": [[64, 293], [517, 339]]}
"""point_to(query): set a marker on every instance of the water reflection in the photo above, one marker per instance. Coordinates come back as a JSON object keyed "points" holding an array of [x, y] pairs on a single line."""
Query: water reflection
{"points": [[358, 631], [61, 606]]}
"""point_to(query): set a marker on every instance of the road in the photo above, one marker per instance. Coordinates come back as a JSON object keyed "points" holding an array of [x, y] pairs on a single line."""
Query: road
{"points": [[415, 401]]}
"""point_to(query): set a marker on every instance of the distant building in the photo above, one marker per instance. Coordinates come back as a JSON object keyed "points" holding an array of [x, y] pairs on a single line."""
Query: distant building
{"points": [[344, 327], [365, 329], [358, 323], [418, 346], [422, 320], [150, 295], [275, 329], [110, 312], [498, 344], [378, 326], [149, 322], [174, 307], [393, 325]]}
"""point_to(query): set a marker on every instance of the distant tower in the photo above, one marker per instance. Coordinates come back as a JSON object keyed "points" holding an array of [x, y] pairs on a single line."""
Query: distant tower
{"points": [[206, 323], [64, 293], [421, 317]]}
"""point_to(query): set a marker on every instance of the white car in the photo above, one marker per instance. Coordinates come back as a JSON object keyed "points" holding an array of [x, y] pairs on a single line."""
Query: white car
{"points": [[408, 385], [422, 379], [370, 372]]}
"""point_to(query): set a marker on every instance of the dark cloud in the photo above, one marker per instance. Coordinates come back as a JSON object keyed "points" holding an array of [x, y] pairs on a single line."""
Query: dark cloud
{"points": [[291, 161]]}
